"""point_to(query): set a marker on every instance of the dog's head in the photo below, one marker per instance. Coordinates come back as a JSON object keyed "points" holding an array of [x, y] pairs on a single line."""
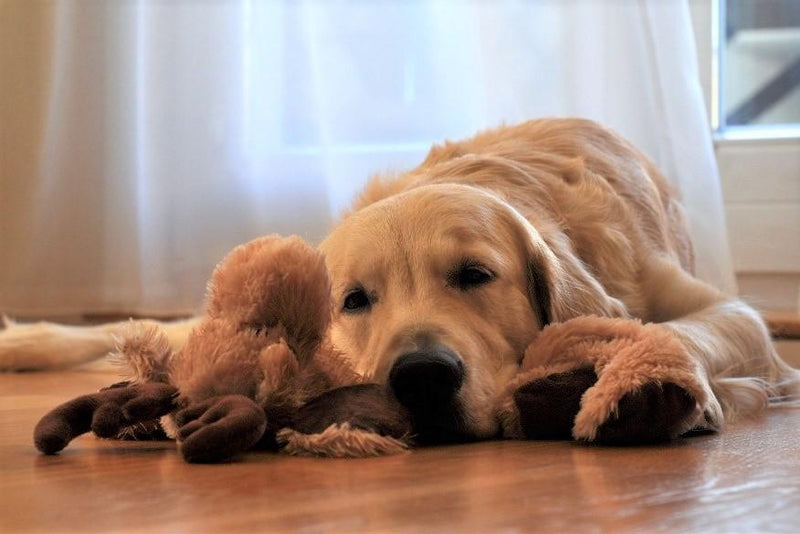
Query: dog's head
{"points": [[437, 293]]}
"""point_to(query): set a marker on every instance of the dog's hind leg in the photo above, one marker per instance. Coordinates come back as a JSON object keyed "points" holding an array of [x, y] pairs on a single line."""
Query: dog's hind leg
{"points": [[727, 338]]}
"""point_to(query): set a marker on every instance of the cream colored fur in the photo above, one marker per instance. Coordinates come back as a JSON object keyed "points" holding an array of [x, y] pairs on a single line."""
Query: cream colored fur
{"points": [[570, 220], [339, 441], [44, 346]]}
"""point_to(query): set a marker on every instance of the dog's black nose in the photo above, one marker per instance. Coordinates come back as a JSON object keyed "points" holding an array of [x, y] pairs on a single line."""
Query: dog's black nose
{"points": [[426, 379]]}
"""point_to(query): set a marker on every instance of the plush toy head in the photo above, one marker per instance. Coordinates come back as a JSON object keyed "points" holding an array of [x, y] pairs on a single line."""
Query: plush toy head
{"points": [[264, 343]]}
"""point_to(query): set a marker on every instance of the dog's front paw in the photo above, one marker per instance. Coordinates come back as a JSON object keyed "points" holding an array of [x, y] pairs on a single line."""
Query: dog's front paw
{"points": [[652, 413], [218, 428]]}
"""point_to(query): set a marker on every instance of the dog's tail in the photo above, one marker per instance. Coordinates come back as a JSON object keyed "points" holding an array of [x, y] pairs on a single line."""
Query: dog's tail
{"points": [[142, 353], [43, 346]]}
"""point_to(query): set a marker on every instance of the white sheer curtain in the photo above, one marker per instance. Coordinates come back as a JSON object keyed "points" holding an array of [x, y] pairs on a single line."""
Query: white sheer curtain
{"points": [[142, 140]]}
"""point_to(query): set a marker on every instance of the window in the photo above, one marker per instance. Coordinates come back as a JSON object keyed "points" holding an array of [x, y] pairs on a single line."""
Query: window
{"points": [[758, 68]]}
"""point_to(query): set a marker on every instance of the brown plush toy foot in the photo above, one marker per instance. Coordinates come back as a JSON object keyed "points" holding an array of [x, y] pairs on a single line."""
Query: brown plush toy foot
{"points": [[652, 413], [349, 421], [547, 407], [105, 413], [218, 428], [363, 406]]}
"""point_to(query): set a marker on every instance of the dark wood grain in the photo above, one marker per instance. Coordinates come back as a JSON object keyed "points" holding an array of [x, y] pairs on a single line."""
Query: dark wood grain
{"points": [[744, 480]]}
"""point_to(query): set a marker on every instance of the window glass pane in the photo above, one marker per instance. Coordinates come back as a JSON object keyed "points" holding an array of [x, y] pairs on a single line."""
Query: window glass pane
{"points": [[760, 63]]}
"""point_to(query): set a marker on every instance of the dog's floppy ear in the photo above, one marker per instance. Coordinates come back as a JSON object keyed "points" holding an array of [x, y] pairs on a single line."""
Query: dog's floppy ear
{"points": [[559, 285]]}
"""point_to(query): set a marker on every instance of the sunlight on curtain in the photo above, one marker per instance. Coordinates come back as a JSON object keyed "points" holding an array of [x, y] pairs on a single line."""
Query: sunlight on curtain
{"points": [[142, 140]]}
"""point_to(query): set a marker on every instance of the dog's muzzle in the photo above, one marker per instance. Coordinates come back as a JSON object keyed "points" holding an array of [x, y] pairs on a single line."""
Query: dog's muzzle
{"points": [[427, 383]]}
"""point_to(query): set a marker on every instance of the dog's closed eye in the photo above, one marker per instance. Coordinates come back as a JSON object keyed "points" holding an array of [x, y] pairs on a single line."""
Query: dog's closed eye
{"points": [[469, 275]]}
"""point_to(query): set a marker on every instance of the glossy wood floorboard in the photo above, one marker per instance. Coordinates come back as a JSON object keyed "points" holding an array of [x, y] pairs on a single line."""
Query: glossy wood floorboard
{"points": [[744, 480]]}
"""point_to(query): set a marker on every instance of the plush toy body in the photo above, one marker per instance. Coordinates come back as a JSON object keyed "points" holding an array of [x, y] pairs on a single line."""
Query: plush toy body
{"points": [[259, 372]]}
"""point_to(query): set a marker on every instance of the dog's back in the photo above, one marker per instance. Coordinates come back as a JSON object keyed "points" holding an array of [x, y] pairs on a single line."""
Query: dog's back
{"points": [[572, 176]]}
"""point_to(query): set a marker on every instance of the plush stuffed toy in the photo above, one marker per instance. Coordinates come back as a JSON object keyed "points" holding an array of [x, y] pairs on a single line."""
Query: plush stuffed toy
{"points": [[612, 381], [259, 372]]}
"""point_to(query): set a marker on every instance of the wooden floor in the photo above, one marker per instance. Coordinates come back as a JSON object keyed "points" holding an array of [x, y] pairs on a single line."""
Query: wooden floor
{"points": [[744, 480]]}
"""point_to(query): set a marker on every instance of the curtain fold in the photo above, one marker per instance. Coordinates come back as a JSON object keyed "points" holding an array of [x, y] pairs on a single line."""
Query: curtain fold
{"points": [[142, 140]]}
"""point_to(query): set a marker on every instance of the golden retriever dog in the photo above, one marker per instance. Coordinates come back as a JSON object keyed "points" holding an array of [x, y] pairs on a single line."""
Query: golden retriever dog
{"points": [[443, 275]]}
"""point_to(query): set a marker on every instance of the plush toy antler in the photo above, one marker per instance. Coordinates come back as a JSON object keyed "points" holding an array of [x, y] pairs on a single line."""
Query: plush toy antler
{"points": [[257, 371], [105, 413]]}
